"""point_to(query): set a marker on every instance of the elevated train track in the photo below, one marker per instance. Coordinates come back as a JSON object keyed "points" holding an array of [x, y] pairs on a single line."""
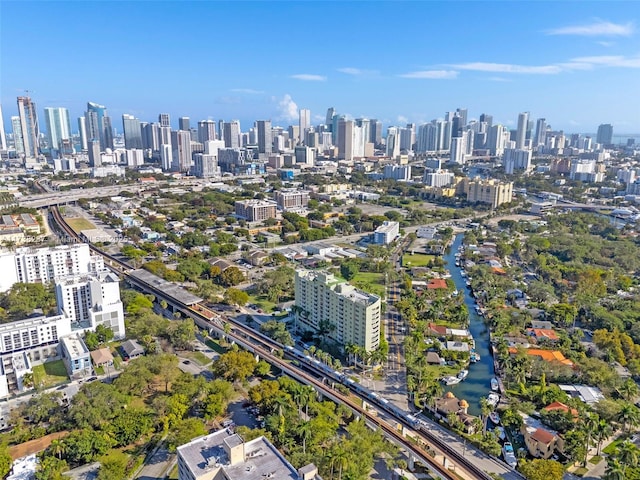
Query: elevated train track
{"points": [[265, 347]]}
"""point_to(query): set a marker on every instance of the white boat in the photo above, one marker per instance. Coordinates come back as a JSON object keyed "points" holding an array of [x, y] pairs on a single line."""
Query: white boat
{"points": [[495, 418], [493, 399], [474, 357], [495, 386], [451, 380], [509, 455], [463, 374], [463, 273]]}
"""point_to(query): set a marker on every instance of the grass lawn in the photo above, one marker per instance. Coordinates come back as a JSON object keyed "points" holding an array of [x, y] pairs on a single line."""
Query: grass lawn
{"points": [[580, 472], [611, 448], [173, 474], [198, 357], [50, 374], [596, 459], [442, 371], [215, 346], [80, 223], [262, 303], [416, 260], [371, 282]]}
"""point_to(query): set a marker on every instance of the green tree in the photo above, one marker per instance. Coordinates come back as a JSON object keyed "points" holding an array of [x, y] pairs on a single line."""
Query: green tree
{"points": [[234, 296], [113, 466], [277, 331], [349, 270], [263, 368], [235, 366], [5, 460], [185, 431], [182, 333], [231, 277], [542, 470], [50, 468]]}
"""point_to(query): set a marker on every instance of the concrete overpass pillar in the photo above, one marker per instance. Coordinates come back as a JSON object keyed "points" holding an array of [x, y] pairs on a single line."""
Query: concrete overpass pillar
{"points": [[411, 462]]}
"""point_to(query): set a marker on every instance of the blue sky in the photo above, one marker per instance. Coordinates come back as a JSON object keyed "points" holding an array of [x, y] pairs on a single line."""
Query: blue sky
{"points": [[575, 63]]}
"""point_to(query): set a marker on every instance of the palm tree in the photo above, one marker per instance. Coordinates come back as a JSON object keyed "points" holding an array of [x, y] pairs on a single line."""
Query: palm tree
{"points": [[590, 425], [628, 454], [615, 470], [629, 416], [351, 350], [628, 390], [57, 448], [27, 380], [305, 429], [485, 410], [603, 431]]}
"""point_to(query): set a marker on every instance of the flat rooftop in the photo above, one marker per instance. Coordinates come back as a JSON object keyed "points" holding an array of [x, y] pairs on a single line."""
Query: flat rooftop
{"points": [[168, 288], [261, 459]]}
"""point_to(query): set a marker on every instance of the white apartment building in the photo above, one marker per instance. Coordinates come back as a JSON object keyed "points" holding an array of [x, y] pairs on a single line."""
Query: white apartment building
{"points": [[439, 178], [386, 233], [397, 172], [43, 265], [91, 300], [354, 315], [224, 455], [515, 159]]}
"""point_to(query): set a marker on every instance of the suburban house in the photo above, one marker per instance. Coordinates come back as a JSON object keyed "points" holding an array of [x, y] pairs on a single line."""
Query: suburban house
{"points": [[541, 442], [132, 349]]}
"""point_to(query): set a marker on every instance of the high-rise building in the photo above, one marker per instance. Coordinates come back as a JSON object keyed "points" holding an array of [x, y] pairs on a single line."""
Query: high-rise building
{"points": [[497, 139], [16, 128], [151, 136], [488, 119], [181, 144], [95, 159], [132, 132], [516, 160], [462, 113], [232, 134], [459, 149], [166, 157], [90, 300], [393, 142], [265, 139], [331, 112], [541, 132], [164, 119], [99, 125], [184, 123], [82, 131], [256, 210], [493, 192], [375, 130], [3, 135], [351, 316], [521, 133], [206, 130], [28, 126], [43, 265], [304, 122], [58, 126], [605, 134], [205, 165], [427, 138], [345, 138]]}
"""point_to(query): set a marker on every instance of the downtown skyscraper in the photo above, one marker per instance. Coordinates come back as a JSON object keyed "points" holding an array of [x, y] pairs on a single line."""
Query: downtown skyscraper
{"points": [[132, 132], [265, 136], [58, 128], [27, 140], [98, 125]]}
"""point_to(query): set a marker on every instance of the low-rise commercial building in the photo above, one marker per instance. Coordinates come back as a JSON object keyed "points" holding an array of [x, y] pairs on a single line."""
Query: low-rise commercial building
{"points": [[386, 233]]}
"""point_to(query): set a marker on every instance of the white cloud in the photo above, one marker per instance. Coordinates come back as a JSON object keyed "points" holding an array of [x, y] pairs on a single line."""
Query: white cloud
{"points": [[606, 44], [431, 74], [499, 79], [249, 91], [402, 119], [288, 108], [309, 77], [509, 68], [609, 61], [596, 29], [357, 72]]}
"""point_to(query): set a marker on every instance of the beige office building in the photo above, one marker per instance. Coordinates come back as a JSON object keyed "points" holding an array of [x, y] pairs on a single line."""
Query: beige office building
{"points": [[353, 315], [256, 210], [493, 192]]}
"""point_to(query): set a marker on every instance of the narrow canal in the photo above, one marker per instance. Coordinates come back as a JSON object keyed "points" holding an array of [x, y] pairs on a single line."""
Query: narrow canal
{"points": [[478, 383]]}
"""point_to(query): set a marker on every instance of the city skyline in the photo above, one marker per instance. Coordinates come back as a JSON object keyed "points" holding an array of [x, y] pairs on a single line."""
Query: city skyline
{"points": [[574, 68]]}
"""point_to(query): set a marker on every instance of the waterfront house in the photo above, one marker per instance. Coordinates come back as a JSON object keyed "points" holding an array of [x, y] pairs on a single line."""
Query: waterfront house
{"points": [[546, 355], [541, 441]]}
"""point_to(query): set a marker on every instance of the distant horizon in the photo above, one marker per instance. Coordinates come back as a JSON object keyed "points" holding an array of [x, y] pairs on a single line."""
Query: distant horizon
{"points": [[400, 62]]}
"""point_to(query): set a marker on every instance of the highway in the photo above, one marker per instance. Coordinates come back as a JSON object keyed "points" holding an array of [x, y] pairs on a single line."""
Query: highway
{"points": [[265, 348]]}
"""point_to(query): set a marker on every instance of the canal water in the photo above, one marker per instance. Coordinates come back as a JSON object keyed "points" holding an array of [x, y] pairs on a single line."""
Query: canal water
{"points": [[478, 383]]}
